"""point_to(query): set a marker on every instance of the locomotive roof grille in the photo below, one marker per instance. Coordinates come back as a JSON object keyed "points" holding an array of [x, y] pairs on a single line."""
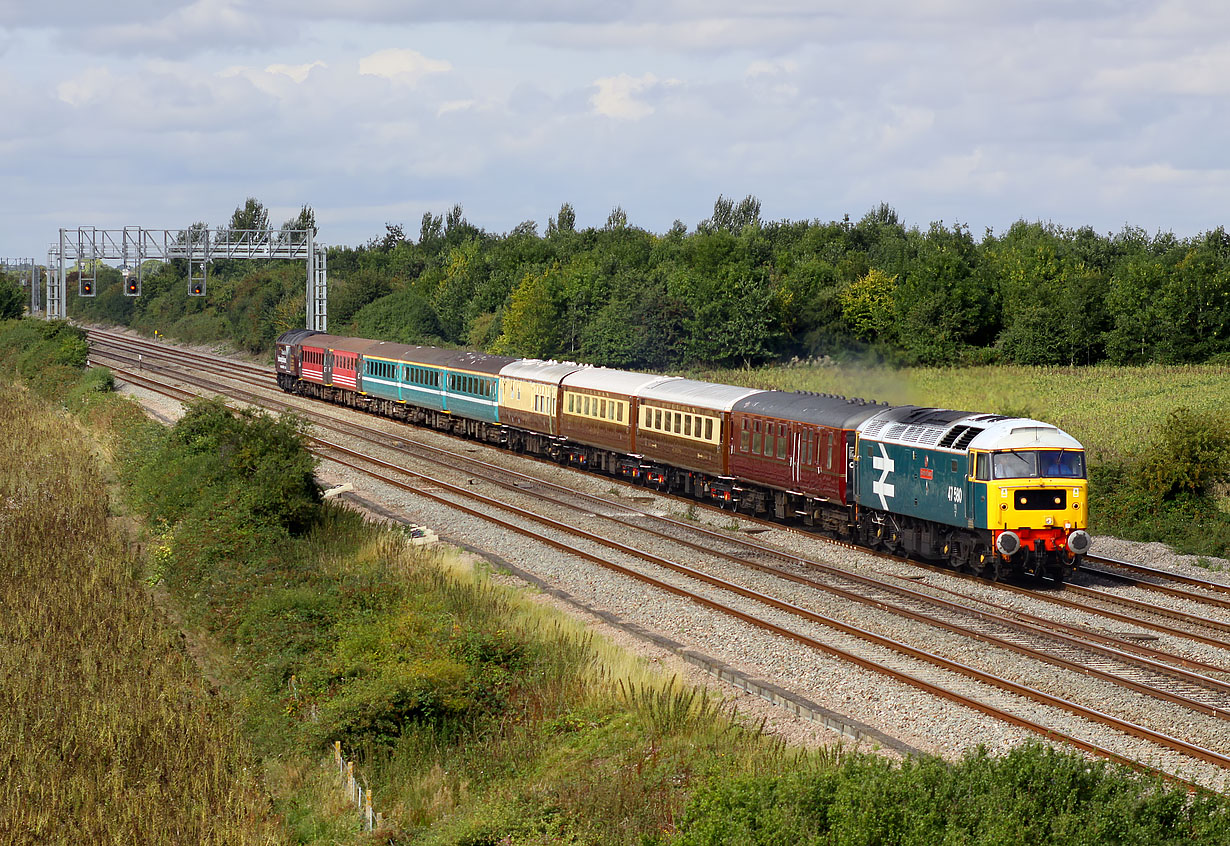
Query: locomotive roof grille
{"points": [[968, 435]]}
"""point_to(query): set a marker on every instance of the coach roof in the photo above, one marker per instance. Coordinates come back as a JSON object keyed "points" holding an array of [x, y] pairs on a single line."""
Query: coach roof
{"points": [[707, 395], [624, 382], [807, 407], [537, 370]]}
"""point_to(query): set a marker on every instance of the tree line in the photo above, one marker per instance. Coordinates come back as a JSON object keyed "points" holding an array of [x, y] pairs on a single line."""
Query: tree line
{"points": [[733, 290]]}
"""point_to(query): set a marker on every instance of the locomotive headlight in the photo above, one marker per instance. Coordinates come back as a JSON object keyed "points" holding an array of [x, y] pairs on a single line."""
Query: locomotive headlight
{"points": [[1079, 542]]}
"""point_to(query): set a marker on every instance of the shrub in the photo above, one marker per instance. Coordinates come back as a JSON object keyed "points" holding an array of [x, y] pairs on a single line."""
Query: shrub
{"points": [[1191, 455], [1034, 794], [247, 459]]}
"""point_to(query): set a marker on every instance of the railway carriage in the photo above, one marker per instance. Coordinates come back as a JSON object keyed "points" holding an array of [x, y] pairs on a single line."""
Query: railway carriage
{"points": [[794, 455], [596, 418], [682, 432], [530, 401]]}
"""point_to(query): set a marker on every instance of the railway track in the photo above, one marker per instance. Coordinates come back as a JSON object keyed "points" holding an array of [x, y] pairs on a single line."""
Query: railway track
{"points": [[1203, 694], [1205, 593]]}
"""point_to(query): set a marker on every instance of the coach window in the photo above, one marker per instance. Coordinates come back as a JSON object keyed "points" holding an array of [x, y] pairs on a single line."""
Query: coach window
{"points": [[745, 437], [687, 425], [768, 442], [757, 438], [781, 445], [601, 408], [619, 413]]}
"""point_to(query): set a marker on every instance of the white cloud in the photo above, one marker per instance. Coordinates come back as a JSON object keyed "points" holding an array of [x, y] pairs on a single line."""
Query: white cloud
{"points": [[401, 65], [455, 106], [616, 96], [296, 72]]}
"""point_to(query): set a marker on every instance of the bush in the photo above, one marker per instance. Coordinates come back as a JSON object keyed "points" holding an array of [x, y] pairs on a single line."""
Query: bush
{"points": [[1168, 491], [246, 460], [1034, 794], [1191, 455], [12, 298], [404, 317]]}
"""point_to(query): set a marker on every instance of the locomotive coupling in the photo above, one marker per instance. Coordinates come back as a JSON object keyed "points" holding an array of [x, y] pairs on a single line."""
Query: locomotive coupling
{"points": [[1007, 543], [1079, 542]]}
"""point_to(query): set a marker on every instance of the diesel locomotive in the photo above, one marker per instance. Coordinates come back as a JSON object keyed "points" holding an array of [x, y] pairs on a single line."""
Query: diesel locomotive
{"points": [[983, 493]]}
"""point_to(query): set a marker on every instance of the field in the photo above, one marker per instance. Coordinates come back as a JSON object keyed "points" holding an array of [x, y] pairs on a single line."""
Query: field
{"points": [[108, 734], [1113, 411]]}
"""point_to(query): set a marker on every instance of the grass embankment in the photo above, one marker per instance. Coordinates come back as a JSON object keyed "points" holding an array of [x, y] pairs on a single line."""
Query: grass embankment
{"points": [[107, 732], [1157, 437], [480, 716]]}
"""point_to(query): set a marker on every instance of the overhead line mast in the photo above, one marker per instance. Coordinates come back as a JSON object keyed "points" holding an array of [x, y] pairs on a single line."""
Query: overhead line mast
{"points": [[133, 245]]}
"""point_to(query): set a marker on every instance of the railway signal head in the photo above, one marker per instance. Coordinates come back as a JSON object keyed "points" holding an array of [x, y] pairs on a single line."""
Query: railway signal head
{"points": [[87, 288], [196, 289], [131, 288]]}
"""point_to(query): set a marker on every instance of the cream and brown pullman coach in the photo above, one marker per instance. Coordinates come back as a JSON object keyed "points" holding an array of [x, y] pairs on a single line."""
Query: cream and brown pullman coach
{"points": [[682, 423], [597, 409], [530, 394]]}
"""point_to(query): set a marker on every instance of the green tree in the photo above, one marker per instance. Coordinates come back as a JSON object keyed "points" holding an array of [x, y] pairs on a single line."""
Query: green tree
{"points": [[1196, 297], [305, 220], [531, 322], [404, 317], [12, 298], [944, 305], [869, 305], [251, 215]]}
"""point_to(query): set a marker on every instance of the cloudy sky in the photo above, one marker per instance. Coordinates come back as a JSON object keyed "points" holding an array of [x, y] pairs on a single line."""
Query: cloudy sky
{"points": [[160, 113]]}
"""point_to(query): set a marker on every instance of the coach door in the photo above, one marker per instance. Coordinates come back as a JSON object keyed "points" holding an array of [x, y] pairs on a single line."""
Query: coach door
{"points": [[327, 372]]}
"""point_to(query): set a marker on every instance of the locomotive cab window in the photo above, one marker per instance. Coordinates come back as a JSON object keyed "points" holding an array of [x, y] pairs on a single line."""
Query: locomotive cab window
{"points": [[1038, 463]]}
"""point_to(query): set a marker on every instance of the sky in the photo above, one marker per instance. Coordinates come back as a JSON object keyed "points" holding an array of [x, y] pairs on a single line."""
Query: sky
{"points": [[163, 113]]}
